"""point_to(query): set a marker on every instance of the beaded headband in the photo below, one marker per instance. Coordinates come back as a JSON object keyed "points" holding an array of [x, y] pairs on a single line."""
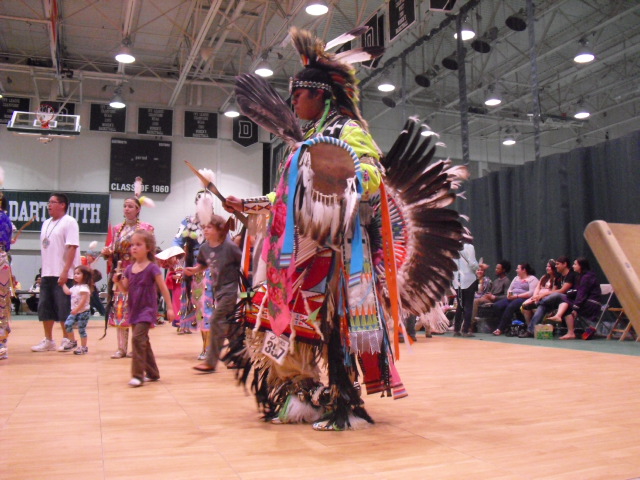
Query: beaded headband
{"points": [[295, 84]]}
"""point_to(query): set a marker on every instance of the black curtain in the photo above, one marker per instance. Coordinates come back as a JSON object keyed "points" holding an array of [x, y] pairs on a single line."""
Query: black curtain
{"points": [[539, 210]]}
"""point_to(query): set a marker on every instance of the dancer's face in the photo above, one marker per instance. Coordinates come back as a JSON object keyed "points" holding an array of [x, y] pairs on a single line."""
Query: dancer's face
{"points": [[308, 104], [139, 248], [130, 210]]}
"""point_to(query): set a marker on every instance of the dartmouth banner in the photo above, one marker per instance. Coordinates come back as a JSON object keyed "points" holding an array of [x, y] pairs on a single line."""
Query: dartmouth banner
{"points": [[91, 210]]}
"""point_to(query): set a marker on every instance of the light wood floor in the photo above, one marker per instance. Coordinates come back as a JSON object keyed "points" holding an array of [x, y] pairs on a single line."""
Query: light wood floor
{"points": [[476, 410]]}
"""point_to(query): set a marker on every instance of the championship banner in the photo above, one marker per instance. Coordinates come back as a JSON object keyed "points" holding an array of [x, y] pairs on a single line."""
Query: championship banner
{"points": [[91, 210]]}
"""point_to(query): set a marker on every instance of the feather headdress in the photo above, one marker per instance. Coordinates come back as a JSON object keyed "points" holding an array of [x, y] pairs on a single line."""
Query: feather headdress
{"points": [[137, 191], [331, 72]]}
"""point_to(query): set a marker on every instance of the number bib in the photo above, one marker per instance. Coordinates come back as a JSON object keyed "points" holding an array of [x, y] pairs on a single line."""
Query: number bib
{"points": [[274, 347]]}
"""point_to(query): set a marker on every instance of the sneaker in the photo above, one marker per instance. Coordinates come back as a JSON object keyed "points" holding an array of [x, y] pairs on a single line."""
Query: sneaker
{"points": [[4, 352], [81, 350], [202, 356], [147, 379], [135, 382], [467, 334], [118, 354], [44, 346], [457, 334], [67, 345]]}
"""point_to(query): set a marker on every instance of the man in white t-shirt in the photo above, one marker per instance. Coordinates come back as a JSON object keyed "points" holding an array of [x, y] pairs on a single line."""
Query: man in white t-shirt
{"points": [[465, 283], [59, 241]]}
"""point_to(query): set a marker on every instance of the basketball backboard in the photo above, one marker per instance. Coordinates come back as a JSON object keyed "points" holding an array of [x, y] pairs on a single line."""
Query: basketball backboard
{"points": [[44, 124]]}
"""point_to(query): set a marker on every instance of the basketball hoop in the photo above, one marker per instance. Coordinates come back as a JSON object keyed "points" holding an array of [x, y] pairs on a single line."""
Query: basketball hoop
{"points": [[45, 115]]}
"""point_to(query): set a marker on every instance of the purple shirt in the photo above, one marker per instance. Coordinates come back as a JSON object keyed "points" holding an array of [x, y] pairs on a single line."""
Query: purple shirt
{"points": [[143, 294]]}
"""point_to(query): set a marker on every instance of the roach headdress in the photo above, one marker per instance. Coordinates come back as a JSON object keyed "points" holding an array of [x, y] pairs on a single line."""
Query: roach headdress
{"points": [[332, 73]]}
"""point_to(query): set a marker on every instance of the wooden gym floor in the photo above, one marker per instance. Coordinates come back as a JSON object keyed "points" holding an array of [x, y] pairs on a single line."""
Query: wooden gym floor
{"points": [[476, 410]]}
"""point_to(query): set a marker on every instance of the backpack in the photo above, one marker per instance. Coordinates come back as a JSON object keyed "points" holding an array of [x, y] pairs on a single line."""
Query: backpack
{"points": [[517, 327]]}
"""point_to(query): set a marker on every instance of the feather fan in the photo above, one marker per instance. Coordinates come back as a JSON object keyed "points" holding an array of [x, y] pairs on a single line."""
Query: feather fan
{"points": [[433, 235], [259, 101]]}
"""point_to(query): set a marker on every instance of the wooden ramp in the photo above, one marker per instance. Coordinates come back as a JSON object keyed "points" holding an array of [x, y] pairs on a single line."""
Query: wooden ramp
{"points": [[617, 248], [476, 409]]}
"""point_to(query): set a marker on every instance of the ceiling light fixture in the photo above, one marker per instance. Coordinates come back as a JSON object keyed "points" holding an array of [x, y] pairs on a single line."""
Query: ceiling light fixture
{"points": [[427, 132], [509, 140], [124, 55], [389, 101], [263, 69], [467, 32], [510, 137], [117, 101], [231, 111], [584, 55], [581, 113], [493, 97], [450, 62], [517, 22], [424, 79], [316, 8], [385, 85], [483, 44]]}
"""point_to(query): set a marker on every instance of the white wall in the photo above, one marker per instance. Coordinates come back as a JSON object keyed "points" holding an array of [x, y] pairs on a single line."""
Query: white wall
{"points": [[82, 165]]}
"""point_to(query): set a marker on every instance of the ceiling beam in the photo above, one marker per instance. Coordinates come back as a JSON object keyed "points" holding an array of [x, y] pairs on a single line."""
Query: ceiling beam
{"points": [[195, 50]]}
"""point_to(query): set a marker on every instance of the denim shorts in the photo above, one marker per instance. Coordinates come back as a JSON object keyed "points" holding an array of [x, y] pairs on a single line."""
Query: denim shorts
{"points": [[54, 304]]}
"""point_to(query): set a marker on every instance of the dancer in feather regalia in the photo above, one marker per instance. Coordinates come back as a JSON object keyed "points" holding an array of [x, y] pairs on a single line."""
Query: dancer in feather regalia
{"points": [[320, 305]]}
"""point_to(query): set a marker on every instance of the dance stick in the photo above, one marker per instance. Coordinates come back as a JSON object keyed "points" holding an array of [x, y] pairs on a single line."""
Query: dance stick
{"points": [[216, 192]]}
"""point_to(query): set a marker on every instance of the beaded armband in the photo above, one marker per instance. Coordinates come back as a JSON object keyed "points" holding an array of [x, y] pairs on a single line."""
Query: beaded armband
{"points": [[256, 204]]}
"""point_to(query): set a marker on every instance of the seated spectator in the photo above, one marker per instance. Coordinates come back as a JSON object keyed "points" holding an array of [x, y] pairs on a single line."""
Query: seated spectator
{"points": [[14, 296], [586, 301], [550, 302], [484, 282], [499, 286], [32, 301], [549, 283], [521, 288]]}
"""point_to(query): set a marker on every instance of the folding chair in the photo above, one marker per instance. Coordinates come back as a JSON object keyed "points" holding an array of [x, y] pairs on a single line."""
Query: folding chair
{"points": [[628, 330], [607, 294]]}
